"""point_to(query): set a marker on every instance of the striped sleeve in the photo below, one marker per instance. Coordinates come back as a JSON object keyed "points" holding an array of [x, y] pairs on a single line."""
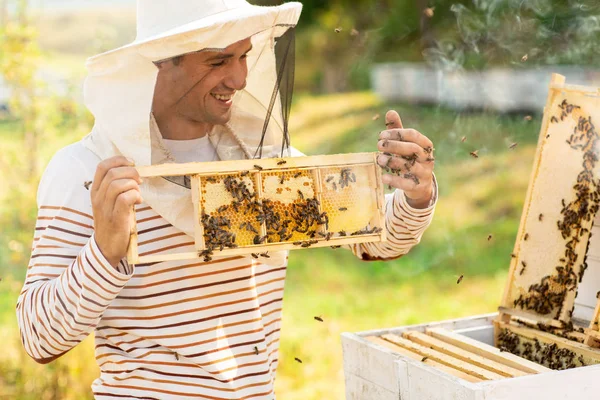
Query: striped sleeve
{"points": [[405, 226], [69, 283]]}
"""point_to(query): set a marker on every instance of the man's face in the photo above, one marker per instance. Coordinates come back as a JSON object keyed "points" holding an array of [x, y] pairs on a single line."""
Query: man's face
{"points": [[200, 86]]}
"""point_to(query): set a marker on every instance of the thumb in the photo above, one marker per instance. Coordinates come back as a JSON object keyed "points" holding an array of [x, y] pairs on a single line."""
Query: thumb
{"points": [[392, 120]]}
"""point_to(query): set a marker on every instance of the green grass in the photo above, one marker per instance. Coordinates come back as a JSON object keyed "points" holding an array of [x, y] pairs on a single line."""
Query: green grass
{"points": [[478, 197]]}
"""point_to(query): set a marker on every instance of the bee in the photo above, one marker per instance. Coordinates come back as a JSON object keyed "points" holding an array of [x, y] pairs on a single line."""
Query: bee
{"points": [[474, 154], [376, 116], [513, 145], [459, 280], [87, 184], [254, 255], [526, 236], [243, 225], [259, 239], [281, 162], [384, 144], [553, 119], [424, 359], [297, 174], [255, 350], [328, 236], [524, 264], [177, 356], [300, 194], [335, 247], [342, 233], [528, 118], [343, 208], [319, 319], [489, 237], [305, 244], [211, 179], [338, 30], [541, 217], [462, 139], [329, 179], [265, 255], [282, 179], [258, 167], [513, 255], [524, 58], [222, 208]]}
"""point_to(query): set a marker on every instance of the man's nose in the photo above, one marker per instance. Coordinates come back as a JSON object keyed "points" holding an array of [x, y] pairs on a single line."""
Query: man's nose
{"points": [[236, 79]]}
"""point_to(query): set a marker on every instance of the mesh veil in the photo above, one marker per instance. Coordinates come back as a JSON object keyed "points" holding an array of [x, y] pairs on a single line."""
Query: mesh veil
{"points": [[259, 124]]}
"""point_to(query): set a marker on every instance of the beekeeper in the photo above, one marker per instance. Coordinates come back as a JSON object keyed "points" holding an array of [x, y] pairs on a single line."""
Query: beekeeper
{"points": [[203, 81]]}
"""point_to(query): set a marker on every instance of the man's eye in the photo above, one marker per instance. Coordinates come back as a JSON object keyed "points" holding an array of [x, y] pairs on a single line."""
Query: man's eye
{"points": [[218, 64]]}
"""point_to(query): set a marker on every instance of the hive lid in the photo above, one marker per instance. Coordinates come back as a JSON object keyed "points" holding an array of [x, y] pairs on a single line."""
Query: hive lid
{"points": [[549, 257]]}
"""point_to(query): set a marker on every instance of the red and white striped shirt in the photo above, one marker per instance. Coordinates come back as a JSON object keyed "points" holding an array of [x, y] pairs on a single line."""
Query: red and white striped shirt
{"points": [[177, 329]]}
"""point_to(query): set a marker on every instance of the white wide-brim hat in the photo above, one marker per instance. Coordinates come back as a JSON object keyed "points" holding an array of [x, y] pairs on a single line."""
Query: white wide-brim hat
{"points": [[119, 89], [162, 29]]}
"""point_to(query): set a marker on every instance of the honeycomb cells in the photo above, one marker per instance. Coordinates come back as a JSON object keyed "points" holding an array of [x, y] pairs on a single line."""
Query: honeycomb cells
{"points": [[217, 201], [348, 198], [288, 194], [288, 206]]}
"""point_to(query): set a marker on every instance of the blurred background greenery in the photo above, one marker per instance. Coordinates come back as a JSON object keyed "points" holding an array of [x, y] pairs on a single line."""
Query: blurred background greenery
{"points": [[333, 111]]}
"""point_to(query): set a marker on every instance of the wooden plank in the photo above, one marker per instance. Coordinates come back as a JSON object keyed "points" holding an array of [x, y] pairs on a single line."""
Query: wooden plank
{"points": [[263, 248], [556, 81], [132, 249], [217, 167], [442, 358], [546, 337], [197, 199], [376, 170], [462, 354], [486, 351], [427, 361], [530, 317]]}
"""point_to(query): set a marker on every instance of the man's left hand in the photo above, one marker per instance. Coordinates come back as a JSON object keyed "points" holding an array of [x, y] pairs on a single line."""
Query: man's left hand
{"points": [[409, 156]]}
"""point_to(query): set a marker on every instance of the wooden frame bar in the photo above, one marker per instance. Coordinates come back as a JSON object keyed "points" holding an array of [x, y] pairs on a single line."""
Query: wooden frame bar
{"points": [[427, 361], [462, 354], [487, 351], [442, 358]]}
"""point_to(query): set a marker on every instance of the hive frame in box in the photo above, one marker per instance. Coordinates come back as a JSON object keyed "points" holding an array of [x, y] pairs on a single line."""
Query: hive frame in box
{"points": [[255, 169]]}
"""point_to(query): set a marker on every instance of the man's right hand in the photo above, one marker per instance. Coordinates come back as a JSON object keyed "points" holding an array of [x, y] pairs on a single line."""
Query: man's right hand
{"points": [[114, 192]]}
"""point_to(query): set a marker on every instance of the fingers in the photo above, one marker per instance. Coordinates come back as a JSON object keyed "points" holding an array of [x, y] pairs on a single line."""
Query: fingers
{"points": [[392, 120], [117, 173], [407, 135], [105, 166], [403, 165], [406, 182], [125, 201], [404, 149], [118, 187]]}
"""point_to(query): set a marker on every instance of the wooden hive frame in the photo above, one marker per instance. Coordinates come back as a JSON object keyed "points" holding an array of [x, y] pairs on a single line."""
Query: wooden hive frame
{"points": [[569, 108], [256, 169]]}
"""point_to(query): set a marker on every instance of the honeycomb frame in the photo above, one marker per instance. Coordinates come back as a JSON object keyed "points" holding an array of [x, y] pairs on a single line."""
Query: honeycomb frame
{"points": [[255, 206]]}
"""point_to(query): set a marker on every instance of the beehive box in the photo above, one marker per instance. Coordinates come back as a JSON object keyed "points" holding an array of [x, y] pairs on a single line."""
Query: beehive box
{"points": [[257, 206], [544, 342]]}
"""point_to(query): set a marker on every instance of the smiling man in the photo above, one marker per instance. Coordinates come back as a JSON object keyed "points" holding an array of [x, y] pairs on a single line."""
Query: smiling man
{"points": [[202, 82]]}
